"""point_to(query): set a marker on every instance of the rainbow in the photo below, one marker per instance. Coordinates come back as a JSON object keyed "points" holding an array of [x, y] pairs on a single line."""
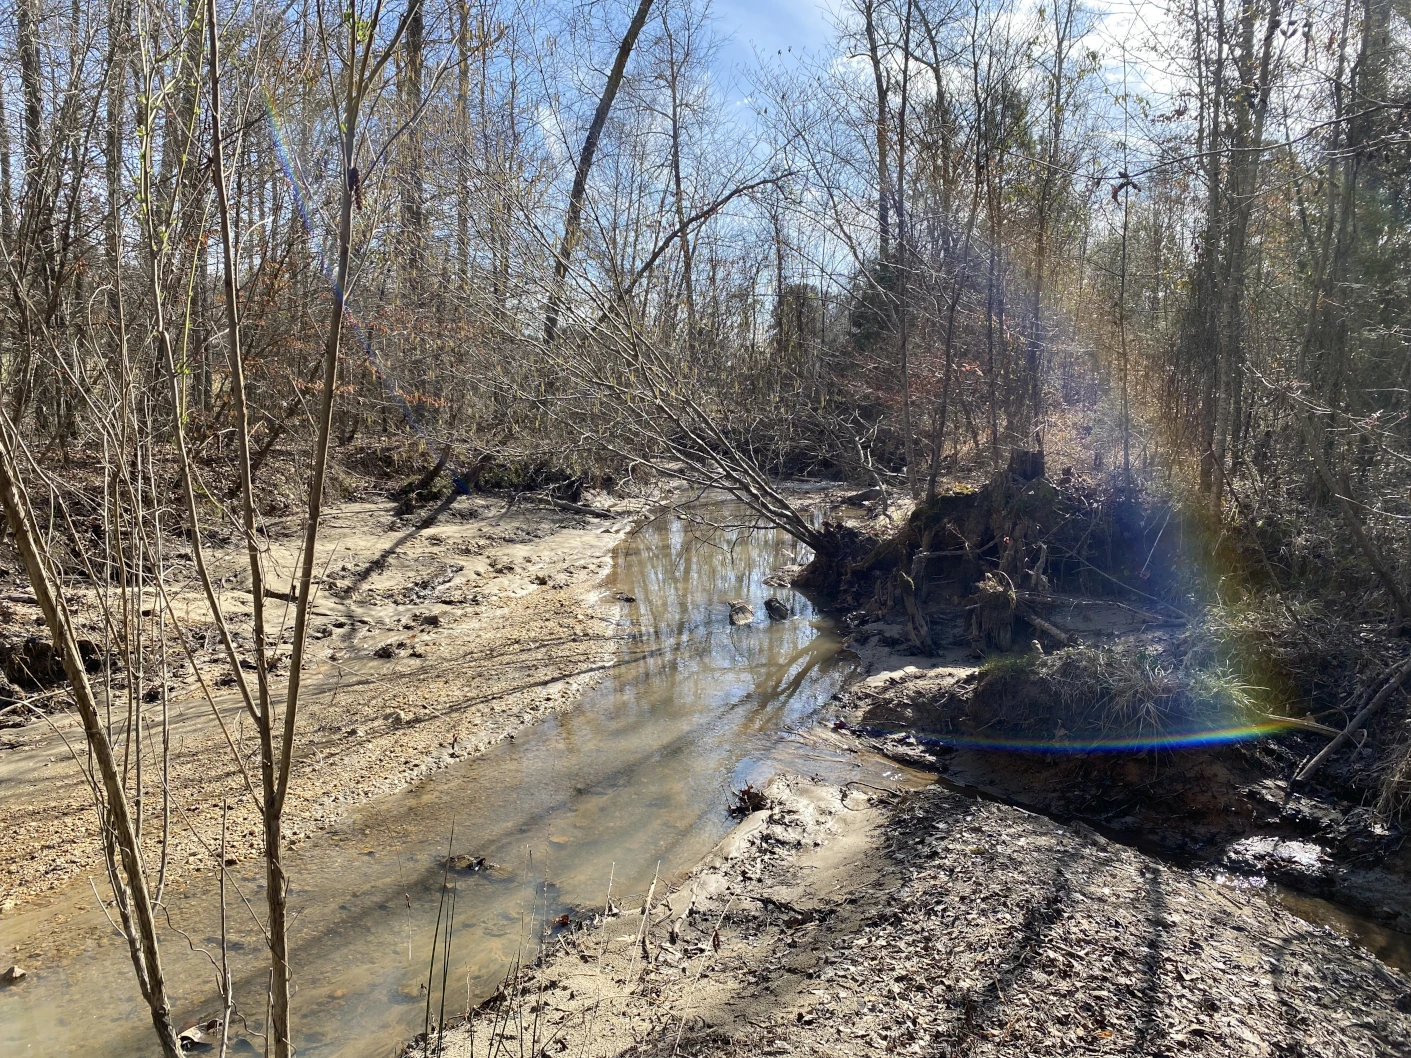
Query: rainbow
{"points": [[1198, 738]]}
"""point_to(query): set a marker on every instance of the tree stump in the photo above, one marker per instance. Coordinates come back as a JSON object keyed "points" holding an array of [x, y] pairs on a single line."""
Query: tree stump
{"points": [[1026, 465]]}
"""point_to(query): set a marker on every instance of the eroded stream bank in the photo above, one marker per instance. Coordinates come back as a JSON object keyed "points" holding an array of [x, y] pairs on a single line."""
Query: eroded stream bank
{"points": [[1218, 806], [837, 920], [635, 779], [840, 922]]}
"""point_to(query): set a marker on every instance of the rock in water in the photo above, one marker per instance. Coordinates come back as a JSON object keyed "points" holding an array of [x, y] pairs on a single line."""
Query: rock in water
{"points": [[740, 613], [13, 975], [776, 608]]}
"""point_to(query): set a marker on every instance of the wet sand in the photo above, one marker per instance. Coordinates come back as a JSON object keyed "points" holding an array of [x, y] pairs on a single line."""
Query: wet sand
{"points": [[489, 620]]}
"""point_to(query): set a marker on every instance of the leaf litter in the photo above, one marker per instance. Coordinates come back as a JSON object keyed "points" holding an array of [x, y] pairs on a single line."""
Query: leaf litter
{"points": [[849, 922]]}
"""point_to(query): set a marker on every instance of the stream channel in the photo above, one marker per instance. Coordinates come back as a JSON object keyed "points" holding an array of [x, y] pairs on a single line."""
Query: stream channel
{"points": [[634, 779]]}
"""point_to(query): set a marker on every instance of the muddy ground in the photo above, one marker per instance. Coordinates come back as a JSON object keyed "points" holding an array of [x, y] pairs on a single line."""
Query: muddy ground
{"points": [[832, 921], [848, 921], [1228, 806], [433, 635], [984, 914]]}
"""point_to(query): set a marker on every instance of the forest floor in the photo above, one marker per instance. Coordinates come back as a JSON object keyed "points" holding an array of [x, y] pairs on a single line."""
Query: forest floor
{"points": [[846, 921], [406, 604]]}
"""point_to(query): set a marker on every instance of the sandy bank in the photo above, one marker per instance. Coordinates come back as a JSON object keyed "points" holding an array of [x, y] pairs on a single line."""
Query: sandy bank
{"points": [[846, 922], [432, 637]]}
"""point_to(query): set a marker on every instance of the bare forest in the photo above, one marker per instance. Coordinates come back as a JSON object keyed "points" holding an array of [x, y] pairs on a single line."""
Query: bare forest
{"points": [[1064, 346]]}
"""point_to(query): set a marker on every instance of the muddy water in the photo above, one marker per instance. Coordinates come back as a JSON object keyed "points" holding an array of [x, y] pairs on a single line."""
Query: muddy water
{"points": [[1388, 945], [635, 780]]}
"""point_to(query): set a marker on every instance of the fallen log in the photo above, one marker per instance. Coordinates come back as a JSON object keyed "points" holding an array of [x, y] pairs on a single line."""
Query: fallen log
{"points": [[1046, 627], [1393, 681]]}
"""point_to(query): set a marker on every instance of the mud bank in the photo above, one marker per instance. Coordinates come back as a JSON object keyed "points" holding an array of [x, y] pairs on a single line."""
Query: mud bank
{"points": [[847, 920], [1225, 807], [433, 636], [1011, 652]]}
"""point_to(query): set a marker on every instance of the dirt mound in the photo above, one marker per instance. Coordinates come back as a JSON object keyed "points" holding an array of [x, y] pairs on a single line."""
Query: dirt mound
{"points": [[1000, 553]]}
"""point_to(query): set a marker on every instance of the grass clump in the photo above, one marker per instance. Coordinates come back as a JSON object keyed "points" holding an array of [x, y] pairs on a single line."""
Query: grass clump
{"points": [[1109, 691]]}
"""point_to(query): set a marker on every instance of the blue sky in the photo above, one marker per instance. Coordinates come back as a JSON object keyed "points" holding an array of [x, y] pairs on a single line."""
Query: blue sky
{"points": [[769, 26]]}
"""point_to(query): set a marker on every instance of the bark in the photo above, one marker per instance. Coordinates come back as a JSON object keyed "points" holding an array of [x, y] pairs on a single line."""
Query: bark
{"points": [[884, 181], [1057, 100], [463, 148], [127, 869], [413, 159], [1248, 142], [363, 70], [1204, 343], [573, 222], [7, 197], [35, 214], [270, 758], [27, 39], [904, 261], [678, 194]]}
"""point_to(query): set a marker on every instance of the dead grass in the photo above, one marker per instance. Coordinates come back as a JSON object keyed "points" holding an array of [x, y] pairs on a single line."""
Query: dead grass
{"points": [[1111, 691], [1394, 801]]}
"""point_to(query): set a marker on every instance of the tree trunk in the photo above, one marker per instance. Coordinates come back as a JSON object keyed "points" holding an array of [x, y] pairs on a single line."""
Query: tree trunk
{"points": [[884, 182], [413, 161], [573, 222]]}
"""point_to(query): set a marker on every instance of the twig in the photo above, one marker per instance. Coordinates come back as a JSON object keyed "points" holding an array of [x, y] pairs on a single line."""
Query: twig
{"points": [[1121, 584], [644, 930], [1046, 627], [436, 936], [226, 991], [1303, 724], [706, 959], [104, 908], [1073, 600]]}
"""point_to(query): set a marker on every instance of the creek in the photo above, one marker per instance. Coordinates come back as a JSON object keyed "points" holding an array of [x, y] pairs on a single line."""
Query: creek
{"points": [[589, 806], [632, 783]]}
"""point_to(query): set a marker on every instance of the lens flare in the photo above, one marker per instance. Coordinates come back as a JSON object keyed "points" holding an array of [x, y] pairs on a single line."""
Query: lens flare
{"points": [[1197, 738]]}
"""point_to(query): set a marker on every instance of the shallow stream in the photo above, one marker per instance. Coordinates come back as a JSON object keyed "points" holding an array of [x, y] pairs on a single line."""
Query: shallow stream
{"points": [[634, 780]]}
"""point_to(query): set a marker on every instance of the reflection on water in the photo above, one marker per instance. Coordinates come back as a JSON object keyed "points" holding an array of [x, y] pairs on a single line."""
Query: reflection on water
{"points": [[638, 776], [1388, 945]]}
